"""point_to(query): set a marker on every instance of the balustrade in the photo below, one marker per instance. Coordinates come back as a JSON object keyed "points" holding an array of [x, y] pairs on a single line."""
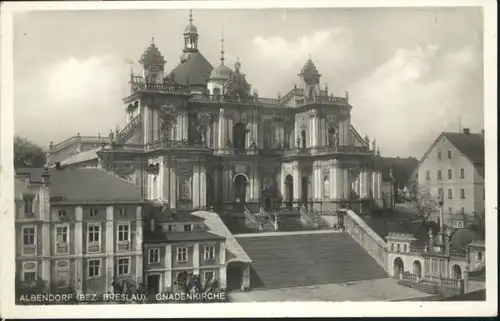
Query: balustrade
{"points": [[175, 144]]}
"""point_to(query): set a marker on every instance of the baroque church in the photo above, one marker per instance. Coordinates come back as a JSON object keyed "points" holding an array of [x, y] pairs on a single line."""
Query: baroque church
{"points": [[198, 137]]}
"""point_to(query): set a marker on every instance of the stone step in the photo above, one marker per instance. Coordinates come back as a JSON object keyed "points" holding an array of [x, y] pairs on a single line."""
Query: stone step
{"points": [[308, 259]]}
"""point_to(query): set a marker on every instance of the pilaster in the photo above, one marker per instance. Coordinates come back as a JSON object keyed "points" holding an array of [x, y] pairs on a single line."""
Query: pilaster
{"points": [[173, 183], [346, 184], [196, 258], [337, 182], [138, 244], [196, 185], [110, 242], [79, 277], [167, 281], [296, 182], [203, 185]]}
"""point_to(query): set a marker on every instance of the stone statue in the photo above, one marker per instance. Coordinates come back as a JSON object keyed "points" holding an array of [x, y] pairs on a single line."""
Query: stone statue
{"points": [[253, 145], [374, 145], [298, 141], [336, 140], [228, 142], [111, 136]]}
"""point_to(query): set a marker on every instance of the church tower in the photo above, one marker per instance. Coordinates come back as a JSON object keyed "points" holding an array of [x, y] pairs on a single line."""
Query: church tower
{"points": [[153, 64], [310, 78], [190, 39]]}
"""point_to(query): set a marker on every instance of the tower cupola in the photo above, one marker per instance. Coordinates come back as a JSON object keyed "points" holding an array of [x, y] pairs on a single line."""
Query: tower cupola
{"points": [[153, 64], [190, 39], [310, 77]]}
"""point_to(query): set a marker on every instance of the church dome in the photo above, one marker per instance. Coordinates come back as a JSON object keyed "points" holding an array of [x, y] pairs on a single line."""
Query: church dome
{"points": [[222, 72]]}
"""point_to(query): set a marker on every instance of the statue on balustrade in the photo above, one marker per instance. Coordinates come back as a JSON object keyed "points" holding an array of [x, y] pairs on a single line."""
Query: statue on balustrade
{"points": [[237, 86]]}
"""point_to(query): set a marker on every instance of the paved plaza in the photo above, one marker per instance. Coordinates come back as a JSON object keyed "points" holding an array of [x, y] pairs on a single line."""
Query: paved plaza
{"points": [[373, 290]]}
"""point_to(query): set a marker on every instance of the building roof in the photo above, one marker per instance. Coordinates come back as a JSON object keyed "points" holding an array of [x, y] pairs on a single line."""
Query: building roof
{"points": [[402, 169], [86, 186], [194, 71], [471, 145], [217, 226], [173, 237], [221, 72]]}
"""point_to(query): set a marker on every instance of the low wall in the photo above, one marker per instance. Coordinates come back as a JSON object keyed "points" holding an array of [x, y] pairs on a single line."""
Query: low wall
{"points": [[366, 237]]}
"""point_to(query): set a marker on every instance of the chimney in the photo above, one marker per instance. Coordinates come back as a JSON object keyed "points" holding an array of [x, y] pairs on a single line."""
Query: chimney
{"points": [[466, 131], [58, 165]]}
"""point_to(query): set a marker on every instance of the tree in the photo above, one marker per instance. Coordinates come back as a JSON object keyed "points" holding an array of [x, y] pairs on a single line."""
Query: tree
{"points": [[27, 153], [425, 206]]}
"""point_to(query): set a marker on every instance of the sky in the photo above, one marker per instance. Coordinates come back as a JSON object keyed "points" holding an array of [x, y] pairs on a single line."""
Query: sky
{"points": [[411, 73]]}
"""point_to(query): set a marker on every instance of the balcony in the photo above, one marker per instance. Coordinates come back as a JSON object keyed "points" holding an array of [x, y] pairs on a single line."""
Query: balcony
{"points": [[138, 84], [175, 144], [236, 152]]}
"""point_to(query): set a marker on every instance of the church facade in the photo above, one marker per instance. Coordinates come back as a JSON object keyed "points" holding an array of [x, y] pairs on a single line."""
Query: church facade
{"points": [[198, 136]]}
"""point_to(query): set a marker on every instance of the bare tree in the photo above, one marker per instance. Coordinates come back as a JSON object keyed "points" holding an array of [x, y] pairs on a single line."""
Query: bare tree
{"points": [[426, 205]]}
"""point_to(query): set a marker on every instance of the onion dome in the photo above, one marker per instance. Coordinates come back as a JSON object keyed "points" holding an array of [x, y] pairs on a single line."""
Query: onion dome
{"points": [[222, 72]]}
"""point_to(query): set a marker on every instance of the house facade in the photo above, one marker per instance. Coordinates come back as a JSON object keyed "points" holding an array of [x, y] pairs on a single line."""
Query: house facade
{"points": [[454, 165], [76, 236]]}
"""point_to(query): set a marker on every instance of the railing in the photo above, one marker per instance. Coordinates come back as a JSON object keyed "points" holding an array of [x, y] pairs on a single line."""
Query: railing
{"points": [[175, 144], [415, 249], [250, 217], [366, 237], [306, 216], [271, 219], [124, 135], [297, 152], [408, 276], [458, 253], [138, 85], [357, 135], [340, 149], [84, 139], [326, 99], [223, 98]]}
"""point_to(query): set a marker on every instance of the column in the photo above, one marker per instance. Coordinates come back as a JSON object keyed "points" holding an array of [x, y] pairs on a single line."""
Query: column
{"points": [[296, 182], [164, 176], [167, 261], [138, 244], [317, 182], [196, 185], [337, 182], [346, 183], [173, 183], [362, 183], [368, 183], [196, 258], [374, 184], [110, 246], [79, 276], [332, 184], [282, 184], [217, 184], [379, 184], [146, 124], [151, 125], [356, 185], [311, 131], [203, 186], [221, 133], [229, 129], [45, 230], [255, 132], [223, 267]]}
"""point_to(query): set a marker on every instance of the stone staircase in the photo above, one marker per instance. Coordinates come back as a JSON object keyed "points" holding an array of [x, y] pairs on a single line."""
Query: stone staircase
{"points": [[127, 132], [308, 259]]}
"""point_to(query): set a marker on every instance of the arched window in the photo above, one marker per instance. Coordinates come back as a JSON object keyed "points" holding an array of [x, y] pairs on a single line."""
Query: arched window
{"points": [[398, 248], [303, 138], [392, 247], [326, 187]]}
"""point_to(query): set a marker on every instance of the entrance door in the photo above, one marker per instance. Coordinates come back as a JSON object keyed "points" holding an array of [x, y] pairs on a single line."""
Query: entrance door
{"points": [[240, 182], [305, 185], [289, 190], [153, 283]]}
